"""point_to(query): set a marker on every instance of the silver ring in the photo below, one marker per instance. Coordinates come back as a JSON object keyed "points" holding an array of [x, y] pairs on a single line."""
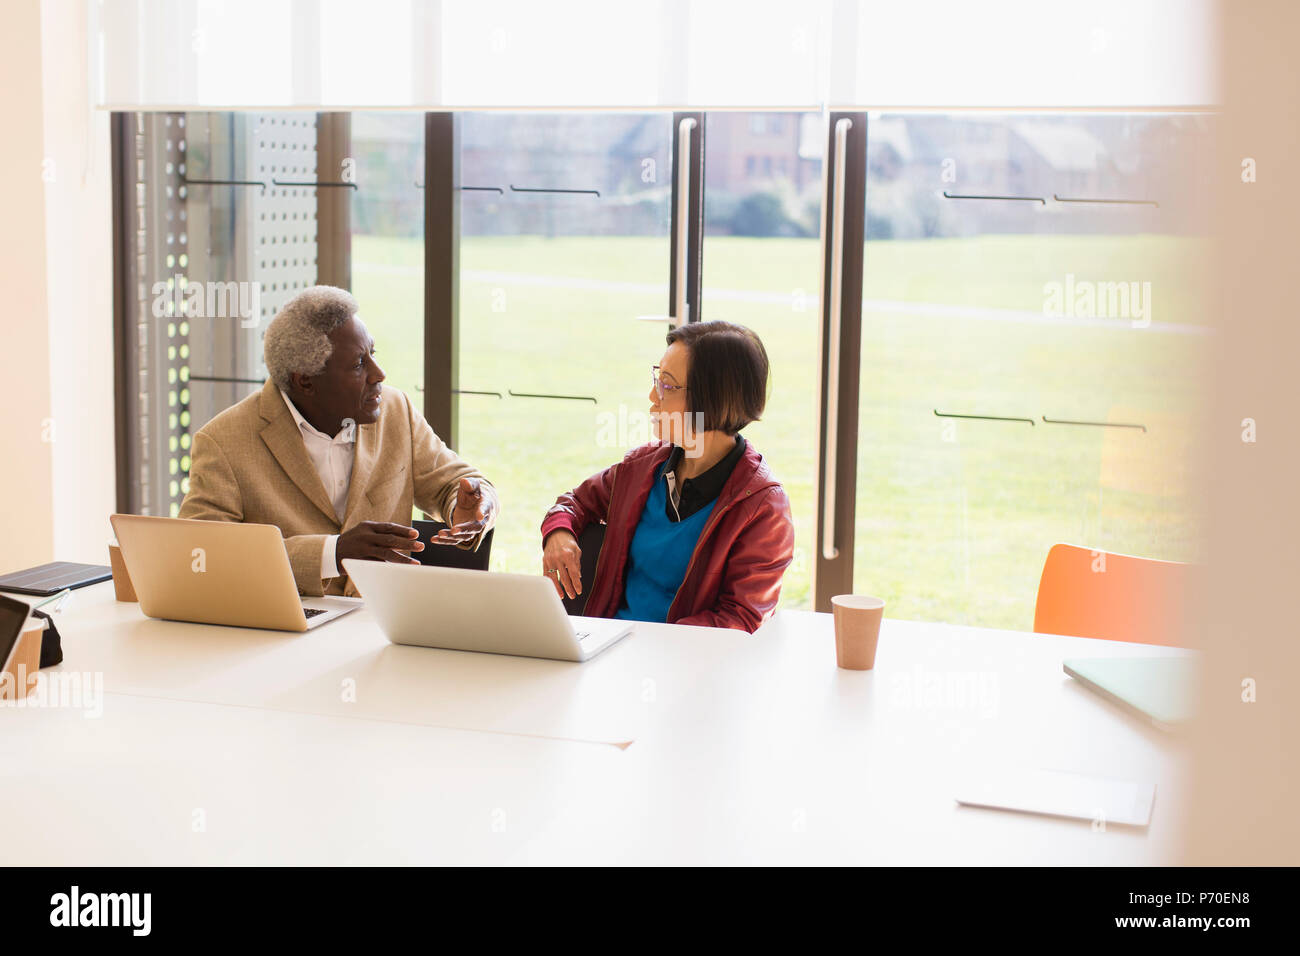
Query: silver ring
{"points": [[555, 571]]}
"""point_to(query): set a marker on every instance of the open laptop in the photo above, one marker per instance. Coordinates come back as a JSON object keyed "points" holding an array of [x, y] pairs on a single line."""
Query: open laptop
{"points": [[1161, 690], [218, 572], [489, 611]]}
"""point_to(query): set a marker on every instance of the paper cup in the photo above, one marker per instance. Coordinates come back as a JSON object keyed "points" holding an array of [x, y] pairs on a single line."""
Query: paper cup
{"points": [[121, 580], [857, 630]]}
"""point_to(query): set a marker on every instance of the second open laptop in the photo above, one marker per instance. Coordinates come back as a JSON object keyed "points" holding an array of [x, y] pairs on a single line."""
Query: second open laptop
{"points": [[490, 611], [218, 572]]}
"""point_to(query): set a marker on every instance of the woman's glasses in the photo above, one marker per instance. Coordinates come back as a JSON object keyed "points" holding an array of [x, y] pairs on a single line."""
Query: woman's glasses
{"points": [[662, 387]]}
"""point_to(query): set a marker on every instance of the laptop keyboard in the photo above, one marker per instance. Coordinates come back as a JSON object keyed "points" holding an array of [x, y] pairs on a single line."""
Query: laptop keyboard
{"points": [[313, 611]]}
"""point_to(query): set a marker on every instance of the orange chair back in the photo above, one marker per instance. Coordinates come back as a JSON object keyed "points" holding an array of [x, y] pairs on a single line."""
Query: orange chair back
{"points": [[1118, 597]]}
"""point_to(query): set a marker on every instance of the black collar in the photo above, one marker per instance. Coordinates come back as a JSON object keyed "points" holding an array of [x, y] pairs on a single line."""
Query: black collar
{"points": [[695, 493]]}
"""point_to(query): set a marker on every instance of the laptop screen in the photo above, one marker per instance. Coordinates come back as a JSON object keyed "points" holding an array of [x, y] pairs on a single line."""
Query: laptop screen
{"points": [[13, 614]]}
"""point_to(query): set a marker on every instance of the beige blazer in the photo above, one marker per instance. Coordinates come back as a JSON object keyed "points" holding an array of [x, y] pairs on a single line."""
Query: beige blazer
{"points": [[249, 464]]}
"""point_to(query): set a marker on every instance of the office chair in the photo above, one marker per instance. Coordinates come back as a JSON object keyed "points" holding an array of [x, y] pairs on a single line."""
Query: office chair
{"points": [[450, 556], [1133, 599]]}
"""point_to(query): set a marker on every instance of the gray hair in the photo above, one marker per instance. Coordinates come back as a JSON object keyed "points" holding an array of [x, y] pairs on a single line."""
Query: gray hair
{"points": [[297, 340]]}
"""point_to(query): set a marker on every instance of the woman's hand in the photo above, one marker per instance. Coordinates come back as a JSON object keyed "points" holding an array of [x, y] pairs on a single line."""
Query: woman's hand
{"points": [[562, 563]]}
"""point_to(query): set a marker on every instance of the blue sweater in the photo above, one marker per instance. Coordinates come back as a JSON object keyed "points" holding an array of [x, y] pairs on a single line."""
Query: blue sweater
{"points": [[658, 557]]}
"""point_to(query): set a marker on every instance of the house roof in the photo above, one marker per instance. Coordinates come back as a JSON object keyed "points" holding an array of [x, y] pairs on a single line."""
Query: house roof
{"points": [[890, 131], [1066, 147]]}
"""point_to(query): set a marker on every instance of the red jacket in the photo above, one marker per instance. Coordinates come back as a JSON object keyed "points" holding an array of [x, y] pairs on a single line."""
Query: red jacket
{"points": [[734, 576]]}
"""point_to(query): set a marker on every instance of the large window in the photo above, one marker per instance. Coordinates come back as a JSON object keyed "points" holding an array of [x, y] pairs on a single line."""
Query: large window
{"points": [[564, 259], [217, 229], [1032, 332], [387, 233], [1030, 363], [762, 210]]}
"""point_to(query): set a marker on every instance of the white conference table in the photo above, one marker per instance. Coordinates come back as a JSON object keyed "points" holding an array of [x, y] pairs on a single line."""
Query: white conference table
{"points": [[677, 745]]}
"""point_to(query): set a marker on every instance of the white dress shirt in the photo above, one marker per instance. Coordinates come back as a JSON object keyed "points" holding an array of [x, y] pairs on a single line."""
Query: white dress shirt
{"points": [[333, 459]]}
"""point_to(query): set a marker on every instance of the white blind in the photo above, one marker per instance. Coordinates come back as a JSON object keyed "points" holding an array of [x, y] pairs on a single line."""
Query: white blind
{"points": [[158, 54], [1120, 53]]}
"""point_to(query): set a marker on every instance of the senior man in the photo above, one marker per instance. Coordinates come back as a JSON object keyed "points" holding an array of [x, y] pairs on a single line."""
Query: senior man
{"points": [[332, 456]]}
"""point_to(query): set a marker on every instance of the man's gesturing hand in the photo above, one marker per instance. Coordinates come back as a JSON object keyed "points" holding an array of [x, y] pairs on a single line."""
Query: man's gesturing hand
{"points": [[379, 541], [470, 517]]}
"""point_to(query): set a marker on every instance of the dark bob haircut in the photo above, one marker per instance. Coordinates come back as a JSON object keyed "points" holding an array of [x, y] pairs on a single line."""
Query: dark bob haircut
{"points": [[727, 379]]}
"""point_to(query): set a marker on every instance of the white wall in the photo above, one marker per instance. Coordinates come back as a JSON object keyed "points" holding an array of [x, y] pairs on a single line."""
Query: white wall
{"points": [[56, 433], [26, 512], [79, 288]]}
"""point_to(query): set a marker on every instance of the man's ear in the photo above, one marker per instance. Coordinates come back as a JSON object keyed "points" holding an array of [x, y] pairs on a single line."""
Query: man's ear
{"points": [[301, 384]]}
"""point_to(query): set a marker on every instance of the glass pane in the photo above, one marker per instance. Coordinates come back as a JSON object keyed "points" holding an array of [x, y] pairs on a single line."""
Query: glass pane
{"points": [[762, 215], [245, 250], [1041, 310], [388, 241], [563, 303]]}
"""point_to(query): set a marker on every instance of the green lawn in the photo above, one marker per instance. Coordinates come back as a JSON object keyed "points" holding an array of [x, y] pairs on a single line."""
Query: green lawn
{"points": [[954, 518]]}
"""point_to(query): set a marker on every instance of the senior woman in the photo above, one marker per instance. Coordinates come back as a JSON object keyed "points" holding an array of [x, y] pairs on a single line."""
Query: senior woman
{"points": [[698, 531]]}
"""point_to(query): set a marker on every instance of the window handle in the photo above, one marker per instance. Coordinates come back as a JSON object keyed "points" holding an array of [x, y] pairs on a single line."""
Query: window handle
{"points": [[829, 550], [680, 305]]}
